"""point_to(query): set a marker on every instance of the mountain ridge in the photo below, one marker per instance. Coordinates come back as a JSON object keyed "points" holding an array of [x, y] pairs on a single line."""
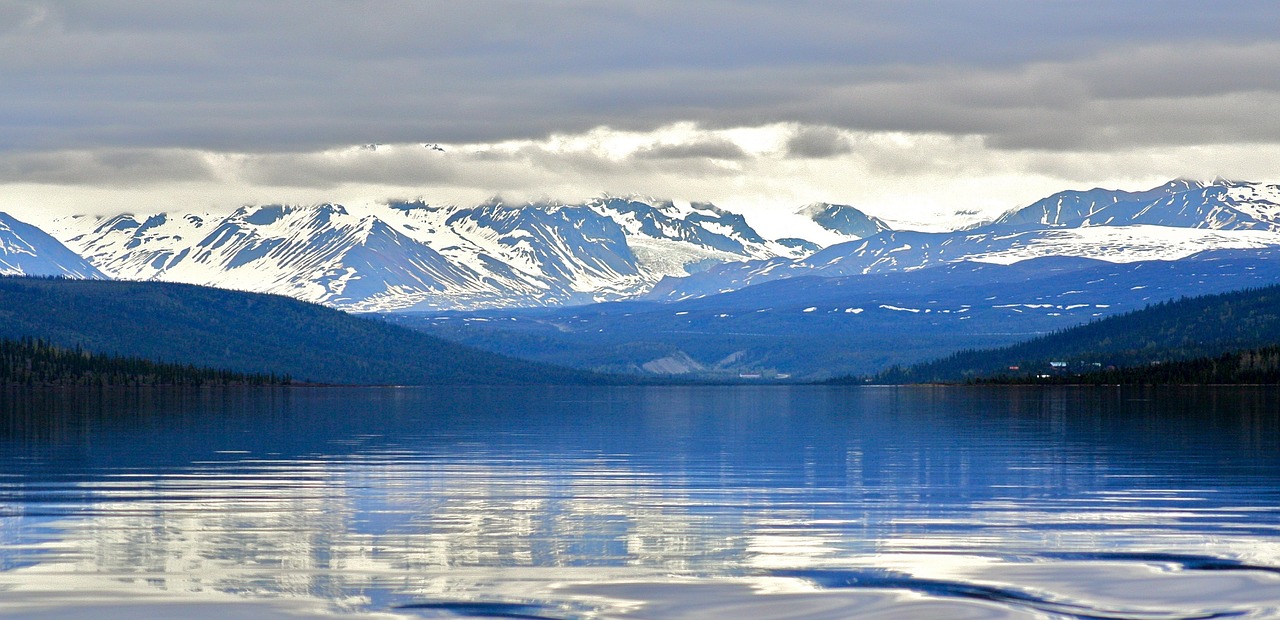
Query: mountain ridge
{"points": [[1217, 205]]}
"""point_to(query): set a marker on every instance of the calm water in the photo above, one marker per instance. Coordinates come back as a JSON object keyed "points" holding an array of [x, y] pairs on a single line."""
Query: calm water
{"points": [[641, 503]]}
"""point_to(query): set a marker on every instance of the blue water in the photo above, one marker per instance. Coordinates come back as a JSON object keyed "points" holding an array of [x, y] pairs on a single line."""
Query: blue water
{"points": [[770, 502]]}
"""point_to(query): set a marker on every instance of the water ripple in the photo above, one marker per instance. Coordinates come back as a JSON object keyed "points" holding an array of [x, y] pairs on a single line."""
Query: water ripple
{"points": [[1017, 597]]}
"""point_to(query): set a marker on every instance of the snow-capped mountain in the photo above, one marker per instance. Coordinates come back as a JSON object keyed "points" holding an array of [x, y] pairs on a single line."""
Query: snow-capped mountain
{"points": [[1220, 205], [1073, 206], [27, 250], [1170, 222], [844, 220], [670, 240], [416, 256]]}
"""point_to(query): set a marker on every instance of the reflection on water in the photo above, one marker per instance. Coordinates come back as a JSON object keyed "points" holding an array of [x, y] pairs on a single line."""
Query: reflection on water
{"points": [[643, 502]]}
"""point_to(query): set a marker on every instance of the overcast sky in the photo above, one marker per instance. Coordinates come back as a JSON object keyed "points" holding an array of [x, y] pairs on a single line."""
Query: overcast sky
{"points": [[913, 111]]}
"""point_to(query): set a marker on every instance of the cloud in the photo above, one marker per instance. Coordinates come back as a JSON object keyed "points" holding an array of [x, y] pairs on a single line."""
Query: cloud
{"points": [[818, 142], [308, 76], [710, 148], [914, 179], [913, 106], [111, 167]]}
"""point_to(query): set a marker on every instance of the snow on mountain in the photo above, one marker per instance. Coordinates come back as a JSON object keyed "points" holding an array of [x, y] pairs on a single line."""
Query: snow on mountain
{"points": [[321, 253], [1220, 205], [1075, 206], [672, 241], [1169, 222], [844, 220], [27, 250], [415, 256], [555, 253], [909, 251]]}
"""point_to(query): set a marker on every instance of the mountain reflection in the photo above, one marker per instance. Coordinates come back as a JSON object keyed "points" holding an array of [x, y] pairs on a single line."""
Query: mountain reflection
{"points": [[372, 498]]}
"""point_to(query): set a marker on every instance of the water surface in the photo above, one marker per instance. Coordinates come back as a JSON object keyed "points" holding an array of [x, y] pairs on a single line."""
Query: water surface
{"points": [[770, 502]]}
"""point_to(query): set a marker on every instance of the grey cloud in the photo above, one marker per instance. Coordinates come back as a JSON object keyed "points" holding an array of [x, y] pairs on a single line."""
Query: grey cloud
{"points": [[818, 143], [711, 148], [116, 168], [560, 162], [572, 162], [307, 75], [19, 16]]}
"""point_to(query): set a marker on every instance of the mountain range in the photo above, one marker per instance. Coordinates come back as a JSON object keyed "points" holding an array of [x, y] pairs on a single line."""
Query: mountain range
{"points": [[412, 256], [1170, 222], [702, 291]]}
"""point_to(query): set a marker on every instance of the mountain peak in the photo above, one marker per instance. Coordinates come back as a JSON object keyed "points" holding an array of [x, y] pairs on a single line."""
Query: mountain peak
{"points": [[27, 250], [1221, 180], [407, 206], [812, 208], [843, 219], [707, 207], [1184, 184]]}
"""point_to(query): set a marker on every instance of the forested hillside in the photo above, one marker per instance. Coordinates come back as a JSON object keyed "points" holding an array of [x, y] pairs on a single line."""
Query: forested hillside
{"points": [[1252, 367], [248, 333], [37, 362], [1198, 327]]}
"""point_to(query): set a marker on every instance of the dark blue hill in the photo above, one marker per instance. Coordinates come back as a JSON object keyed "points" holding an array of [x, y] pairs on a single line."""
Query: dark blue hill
{"points": [[249, 332], [1195, 329]]}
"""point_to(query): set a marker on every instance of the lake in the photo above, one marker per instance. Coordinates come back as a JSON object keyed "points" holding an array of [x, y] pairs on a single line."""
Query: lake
{"points": [[648, 502]]}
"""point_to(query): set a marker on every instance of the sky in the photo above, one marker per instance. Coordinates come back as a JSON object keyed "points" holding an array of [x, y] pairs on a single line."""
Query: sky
{"points": [[929, 114]]}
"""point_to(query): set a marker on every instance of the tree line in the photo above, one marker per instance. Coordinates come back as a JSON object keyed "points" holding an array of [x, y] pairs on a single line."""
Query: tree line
{"points": [[38, 362], [1250, 367]]}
